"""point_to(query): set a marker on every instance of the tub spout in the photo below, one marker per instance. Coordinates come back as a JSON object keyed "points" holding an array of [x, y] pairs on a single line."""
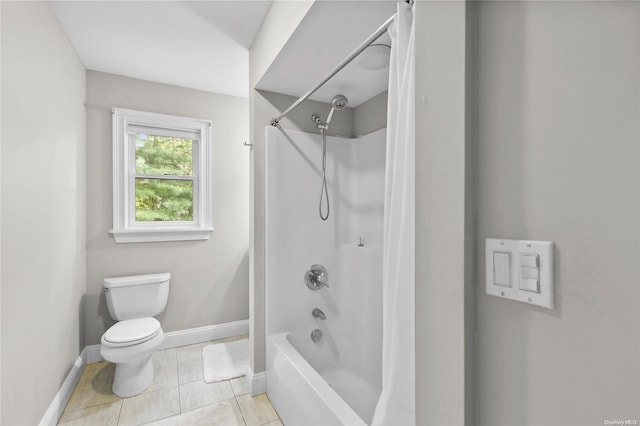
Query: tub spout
{"points": [[317, 313]]}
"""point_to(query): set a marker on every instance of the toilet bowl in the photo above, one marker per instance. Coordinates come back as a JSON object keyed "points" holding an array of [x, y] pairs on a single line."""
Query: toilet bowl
{"points": [[131, 342], [130, 345]]}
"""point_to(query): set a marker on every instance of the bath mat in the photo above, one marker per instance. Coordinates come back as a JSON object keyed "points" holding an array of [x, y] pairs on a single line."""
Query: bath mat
{"points": [[224, 361]]}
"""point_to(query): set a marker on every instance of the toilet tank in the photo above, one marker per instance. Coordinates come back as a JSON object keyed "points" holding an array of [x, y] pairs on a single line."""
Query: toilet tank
{"points": [[136, 296]]}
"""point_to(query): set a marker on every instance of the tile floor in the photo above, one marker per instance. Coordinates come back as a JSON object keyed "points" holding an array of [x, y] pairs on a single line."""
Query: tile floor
{"points": [[178, 396]]}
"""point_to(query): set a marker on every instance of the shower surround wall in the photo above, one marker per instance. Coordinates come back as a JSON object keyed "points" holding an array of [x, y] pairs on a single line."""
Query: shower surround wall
{"points": [[351, 348]]}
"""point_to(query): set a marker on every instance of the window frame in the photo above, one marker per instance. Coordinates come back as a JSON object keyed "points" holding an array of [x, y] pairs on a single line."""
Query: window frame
{"points": [[125, 228]]}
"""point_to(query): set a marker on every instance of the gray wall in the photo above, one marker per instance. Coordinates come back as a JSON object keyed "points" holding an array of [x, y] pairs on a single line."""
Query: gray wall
{"points": [[370, 115], [43, 209], [444, 337], [558, 159], [210, 279]]}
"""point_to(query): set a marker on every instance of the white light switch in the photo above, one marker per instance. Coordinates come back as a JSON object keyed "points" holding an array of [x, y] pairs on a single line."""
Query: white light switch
{"points": [[530, 267], [500, 261], [529, 260], [502, 268], [530, 284], [529, 272]]}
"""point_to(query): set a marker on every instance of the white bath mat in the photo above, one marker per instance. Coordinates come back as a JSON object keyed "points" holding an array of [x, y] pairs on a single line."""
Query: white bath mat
{"points": [[224, 361]]}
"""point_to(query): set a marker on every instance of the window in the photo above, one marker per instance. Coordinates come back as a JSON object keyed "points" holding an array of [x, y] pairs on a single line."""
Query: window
{"points": [[160, 177]]}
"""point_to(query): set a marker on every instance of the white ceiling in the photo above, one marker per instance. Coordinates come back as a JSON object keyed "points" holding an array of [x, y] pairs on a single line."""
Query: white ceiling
{"points": [[330, 31], [196, 44], [205, 44]]}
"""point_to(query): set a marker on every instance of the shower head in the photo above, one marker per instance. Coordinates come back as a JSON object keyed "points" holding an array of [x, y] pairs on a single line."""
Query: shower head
{"points": [[339, 102]]}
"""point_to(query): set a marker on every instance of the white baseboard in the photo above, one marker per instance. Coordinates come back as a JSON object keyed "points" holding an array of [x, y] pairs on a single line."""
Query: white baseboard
{"points": [[172, 339], [93, 354], [258, 383], [191, 336], [53, 413]]}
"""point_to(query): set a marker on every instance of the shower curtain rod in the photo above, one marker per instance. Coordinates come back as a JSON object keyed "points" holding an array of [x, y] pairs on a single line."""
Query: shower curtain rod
{"points": [[373, 37]]}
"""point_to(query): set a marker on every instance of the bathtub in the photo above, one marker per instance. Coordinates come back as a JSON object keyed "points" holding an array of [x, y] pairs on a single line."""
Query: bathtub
{"points": [[307, 397]]}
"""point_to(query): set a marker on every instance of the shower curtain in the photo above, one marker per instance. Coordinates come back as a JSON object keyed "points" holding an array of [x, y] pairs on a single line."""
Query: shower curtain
{"points": [[396, 405]]}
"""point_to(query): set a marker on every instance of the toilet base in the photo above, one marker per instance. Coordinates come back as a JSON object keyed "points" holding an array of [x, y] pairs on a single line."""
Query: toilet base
{"points": [[132, 378]]}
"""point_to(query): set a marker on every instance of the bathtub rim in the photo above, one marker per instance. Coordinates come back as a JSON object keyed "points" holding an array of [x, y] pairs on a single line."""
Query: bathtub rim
{"points": [[326, 393]]}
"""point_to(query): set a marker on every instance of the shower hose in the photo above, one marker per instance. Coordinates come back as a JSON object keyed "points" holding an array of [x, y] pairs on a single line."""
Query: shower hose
{"points": [[324, 193]]}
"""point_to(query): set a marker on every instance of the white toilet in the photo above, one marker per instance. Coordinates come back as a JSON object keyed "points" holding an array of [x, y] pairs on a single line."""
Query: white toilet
{"points": [[134, 301]]}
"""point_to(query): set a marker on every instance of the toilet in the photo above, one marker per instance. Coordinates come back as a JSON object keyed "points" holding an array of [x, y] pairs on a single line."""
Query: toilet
{"points": [[133, 301]]}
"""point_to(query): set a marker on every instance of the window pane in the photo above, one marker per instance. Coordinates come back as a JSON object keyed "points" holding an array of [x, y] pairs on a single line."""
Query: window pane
{"points": [[163, 155], [164, 200]]}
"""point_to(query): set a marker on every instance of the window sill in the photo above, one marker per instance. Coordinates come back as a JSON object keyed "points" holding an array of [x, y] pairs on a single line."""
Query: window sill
{"points": [[160, 235]]}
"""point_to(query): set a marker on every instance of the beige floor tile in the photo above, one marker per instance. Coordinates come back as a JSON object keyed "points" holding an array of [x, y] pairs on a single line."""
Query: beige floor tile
{"points": [[165, 356], [165, 367], [94, 387], [256, 410], [224, 413], [198, 394], [150, 406], [240, 385], [103, 415], [190, 371], [274, 423]]}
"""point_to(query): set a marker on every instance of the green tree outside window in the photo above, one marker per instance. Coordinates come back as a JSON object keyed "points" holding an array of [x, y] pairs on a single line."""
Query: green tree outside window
{"points": [[163, 199]]}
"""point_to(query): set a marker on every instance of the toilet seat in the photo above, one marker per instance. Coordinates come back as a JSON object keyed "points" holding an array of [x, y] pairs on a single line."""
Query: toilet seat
{"points": [[131, 332]]}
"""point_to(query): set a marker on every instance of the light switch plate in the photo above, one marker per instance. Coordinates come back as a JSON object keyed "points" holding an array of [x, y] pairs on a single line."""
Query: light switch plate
{"points": [[522, 252]]}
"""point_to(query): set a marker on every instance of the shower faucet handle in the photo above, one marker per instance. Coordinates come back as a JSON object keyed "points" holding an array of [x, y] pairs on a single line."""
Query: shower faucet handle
{"points": [[316, 277]]}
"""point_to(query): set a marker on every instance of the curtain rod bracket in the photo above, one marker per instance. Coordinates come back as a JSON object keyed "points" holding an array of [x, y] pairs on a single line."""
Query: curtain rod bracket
{"points": [[275, 123]]}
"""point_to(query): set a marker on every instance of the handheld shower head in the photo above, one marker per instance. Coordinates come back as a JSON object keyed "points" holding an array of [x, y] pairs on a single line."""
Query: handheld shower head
{"points": [[339, 102]]}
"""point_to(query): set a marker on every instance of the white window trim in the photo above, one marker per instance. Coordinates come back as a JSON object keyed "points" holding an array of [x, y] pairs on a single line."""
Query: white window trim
{"points": [[125, 229]]}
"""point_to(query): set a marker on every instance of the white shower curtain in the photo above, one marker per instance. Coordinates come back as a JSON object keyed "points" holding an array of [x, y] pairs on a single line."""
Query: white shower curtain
{"points": [[396, 405]]}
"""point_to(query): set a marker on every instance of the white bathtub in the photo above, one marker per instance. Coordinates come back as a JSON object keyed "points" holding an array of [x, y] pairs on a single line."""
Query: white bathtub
{"points": [[304, 397]]}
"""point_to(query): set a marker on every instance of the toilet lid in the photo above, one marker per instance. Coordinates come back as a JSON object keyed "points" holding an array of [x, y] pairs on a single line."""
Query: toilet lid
{"points": [[131, 331]]}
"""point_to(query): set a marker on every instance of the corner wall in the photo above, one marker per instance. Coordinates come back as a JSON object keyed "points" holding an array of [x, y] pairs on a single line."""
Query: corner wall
{"points": [[559, 159], [281, 21], [444, 325], [371, 115], [210, 279], [43, 209]]}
